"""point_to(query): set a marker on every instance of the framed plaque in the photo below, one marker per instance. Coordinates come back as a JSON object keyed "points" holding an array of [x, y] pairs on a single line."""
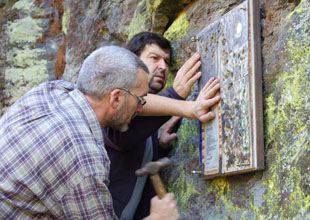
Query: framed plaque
{"points": [[233, 142]]}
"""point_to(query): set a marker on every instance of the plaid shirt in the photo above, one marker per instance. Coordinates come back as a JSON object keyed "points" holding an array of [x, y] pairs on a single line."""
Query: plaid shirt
{"points": [[53, 164]]}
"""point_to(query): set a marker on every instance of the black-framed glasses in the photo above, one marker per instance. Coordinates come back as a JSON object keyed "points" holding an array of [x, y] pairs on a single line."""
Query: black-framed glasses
{"points": [[141, 100]]}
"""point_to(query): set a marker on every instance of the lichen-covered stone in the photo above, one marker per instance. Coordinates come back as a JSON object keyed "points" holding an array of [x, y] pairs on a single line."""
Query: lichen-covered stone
{"points": [[282, 190], [28, 47], [287, 125]]}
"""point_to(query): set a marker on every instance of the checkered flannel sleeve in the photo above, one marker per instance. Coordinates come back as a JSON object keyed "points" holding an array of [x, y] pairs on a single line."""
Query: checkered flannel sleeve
{"points": [[90, 199]]}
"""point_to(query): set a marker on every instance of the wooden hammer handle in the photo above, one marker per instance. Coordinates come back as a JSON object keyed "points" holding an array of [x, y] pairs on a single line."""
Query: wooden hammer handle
{"points": [[158, 186]]}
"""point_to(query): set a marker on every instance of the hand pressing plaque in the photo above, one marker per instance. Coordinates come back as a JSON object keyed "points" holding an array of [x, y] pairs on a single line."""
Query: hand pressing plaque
{"points": [[230, 51]]}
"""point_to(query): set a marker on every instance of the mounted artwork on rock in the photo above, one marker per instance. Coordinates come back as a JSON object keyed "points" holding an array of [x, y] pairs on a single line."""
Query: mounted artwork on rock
{"points": [[233, 142]]}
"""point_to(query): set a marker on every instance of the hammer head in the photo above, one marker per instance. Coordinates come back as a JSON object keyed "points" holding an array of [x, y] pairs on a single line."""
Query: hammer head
{"points": [[152, 168]]}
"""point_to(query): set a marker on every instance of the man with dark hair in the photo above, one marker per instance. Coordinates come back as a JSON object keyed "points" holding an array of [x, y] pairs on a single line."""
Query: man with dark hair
{"points": [[130, 150]]}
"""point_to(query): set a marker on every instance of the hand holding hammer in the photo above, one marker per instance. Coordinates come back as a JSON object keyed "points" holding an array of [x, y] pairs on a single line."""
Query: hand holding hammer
{"points": [[152, 169]]}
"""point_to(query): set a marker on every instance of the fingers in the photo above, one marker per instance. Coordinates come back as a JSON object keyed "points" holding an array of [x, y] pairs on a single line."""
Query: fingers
{"points": [[209, 90], [194, 79], [206, 105], [187, 76], [210, 102], [165, 208], [172, 204], [175, 119], [172, 137], [173, 122], [168, 197], [210, 84], [191, 62], [154, 199], [190, 68], [166, 138], [207, 117]]}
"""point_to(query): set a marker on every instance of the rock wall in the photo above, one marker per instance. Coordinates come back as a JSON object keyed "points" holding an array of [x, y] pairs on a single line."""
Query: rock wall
{"points": [[48, 39]]}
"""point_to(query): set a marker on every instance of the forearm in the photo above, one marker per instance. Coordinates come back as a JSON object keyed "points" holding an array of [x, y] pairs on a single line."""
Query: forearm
{"points": [[199, 109], [160, 106]]}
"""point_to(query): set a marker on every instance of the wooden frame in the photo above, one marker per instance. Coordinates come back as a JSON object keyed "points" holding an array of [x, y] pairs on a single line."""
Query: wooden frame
{"points": [[233, 142]]}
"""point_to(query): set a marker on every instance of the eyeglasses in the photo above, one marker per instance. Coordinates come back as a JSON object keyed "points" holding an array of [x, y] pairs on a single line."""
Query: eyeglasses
{"points": [[141, 100]]}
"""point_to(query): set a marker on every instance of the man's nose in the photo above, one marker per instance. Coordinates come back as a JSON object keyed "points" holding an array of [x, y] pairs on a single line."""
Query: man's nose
{"points": [[162, 64]]}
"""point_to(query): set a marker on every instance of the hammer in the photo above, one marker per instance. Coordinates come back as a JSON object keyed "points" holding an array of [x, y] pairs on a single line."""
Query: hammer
{"points": [[152, 169]]}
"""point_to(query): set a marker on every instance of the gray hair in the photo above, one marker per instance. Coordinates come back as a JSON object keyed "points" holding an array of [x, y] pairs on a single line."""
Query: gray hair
{"points": [[108, 68]]}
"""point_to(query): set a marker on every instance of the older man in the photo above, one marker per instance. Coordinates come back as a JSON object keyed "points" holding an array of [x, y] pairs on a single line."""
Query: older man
{"points": [[53, 162]]}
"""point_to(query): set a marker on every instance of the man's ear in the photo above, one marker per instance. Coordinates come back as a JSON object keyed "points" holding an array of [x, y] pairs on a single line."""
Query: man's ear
{"points": [[115, 98]]}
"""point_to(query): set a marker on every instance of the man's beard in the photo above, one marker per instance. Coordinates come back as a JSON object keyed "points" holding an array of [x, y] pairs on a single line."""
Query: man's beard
{"points": [[156, 87], [120, 120]]}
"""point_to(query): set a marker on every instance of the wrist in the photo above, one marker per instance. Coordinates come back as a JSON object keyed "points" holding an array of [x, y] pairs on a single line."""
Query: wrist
{"points": [[179, 91], [190, 110]]}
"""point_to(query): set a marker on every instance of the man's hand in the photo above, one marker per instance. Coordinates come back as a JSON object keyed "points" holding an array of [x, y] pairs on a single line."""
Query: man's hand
{"points": [[207, 98], [168, 132], [209, 90], [163, 209], [187, 76]]}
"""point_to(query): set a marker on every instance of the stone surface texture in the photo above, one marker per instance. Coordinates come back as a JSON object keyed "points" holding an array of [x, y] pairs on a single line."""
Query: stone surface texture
{"points": [[48, 39]]}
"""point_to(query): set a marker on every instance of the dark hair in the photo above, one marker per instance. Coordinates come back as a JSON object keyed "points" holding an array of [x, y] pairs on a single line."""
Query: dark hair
{"points": [[138, 42]]}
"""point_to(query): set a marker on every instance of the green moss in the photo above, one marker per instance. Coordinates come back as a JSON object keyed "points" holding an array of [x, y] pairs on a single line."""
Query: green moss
{"points": [[184, 190], [297, 10], [144, 17], [189, 132], [25, 30], [28, 7], [155, 3], [183, 186], [287, 129], [66, 21], [286, 133], [26, 57], [287, 139], [33, 75], [178, 29], [138, 23], [152, 6], [27, 66], [221, 188]]}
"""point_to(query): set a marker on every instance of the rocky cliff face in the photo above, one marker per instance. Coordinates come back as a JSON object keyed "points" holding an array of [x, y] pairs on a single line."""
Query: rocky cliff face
{"points": [[48, 39]]}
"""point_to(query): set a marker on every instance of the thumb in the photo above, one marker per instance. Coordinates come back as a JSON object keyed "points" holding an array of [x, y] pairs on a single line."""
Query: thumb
{"points": [[172, 136], [173, 121]]}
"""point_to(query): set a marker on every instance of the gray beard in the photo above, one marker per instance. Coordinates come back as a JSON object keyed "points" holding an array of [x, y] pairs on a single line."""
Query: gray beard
{"points": [[118, 121]]}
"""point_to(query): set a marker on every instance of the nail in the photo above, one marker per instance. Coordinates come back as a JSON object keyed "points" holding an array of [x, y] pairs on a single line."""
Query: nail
{"points": [[194, 38], [196, 172]]}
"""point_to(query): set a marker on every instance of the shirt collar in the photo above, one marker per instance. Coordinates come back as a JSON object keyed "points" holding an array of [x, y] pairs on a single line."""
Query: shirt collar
{"points": [[89, 113]]}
